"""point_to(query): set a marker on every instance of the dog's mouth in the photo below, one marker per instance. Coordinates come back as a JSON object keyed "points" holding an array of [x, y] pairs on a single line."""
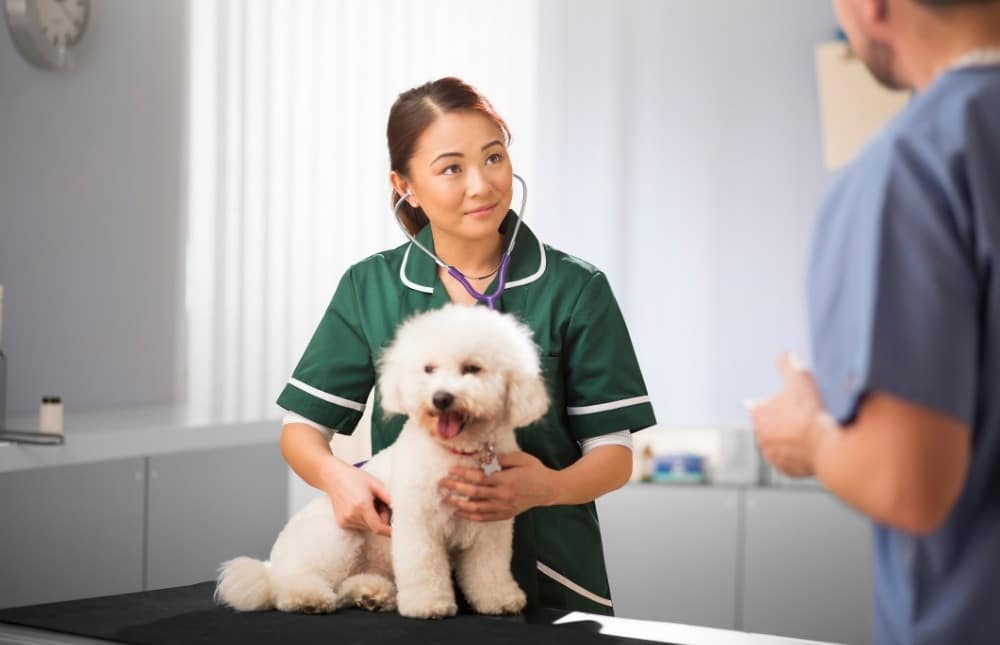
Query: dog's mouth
{"points": [[449, 423]]}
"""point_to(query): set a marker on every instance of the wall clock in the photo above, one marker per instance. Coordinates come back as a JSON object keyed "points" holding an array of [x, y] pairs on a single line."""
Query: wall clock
{"points": [[47, 32]]}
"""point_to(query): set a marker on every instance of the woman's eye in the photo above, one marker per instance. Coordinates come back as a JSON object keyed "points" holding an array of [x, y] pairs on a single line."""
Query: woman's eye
{"points": [[429, 369], [469, 368], [453, 169], [494, 158]]}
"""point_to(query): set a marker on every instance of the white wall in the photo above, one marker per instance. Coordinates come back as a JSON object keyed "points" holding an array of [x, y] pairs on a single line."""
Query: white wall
{"points": [[89, 212], [679, 150]]}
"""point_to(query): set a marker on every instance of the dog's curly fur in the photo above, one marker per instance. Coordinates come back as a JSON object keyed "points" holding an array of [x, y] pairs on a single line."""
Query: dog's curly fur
{"points": [[466, 377]]}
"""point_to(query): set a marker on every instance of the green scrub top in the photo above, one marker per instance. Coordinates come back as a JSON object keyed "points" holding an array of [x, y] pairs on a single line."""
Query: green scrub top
{"points": [[587, 359]]}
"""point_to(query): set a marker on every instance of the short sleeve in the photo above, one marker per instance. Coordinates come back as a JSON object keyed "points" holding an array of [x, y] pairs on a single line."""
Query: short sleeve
{"points": [[331, 382], [605, 391], [893, 291]]}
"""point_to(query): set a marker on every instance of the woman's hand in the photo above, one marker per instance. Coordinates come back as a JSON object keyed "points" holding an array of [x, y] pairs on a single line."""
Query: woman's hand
{"points": [[525, 482], [360, 501]]}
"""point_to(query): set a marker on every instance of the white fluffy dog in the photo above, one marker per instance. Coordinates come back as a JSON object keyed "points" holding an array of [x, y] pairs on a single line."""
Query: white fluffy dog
{"points": [[466, 377]]}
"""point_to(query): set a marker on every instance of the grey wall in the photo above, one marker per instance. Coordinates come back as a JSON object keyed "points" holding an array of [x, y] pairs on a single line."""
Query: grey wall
{"points": [[679, 150], [90, 189]]}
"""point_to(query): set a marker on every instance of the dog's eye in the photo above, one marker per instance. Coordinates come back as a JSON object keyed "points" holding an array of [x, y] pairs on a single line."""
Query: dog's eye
{"points": [[469, 368], [429, 369]]}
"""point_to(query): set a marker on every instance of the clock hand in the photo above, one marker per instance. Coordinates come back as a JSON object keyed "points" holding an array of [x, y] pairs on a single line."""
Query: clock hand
{"points": [[65, 11]]}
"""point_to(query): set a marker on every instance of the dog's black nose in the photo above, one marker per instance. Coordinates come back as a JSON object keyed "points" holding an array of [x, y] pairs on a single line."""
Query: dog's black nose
{"points": [[443, 400]]}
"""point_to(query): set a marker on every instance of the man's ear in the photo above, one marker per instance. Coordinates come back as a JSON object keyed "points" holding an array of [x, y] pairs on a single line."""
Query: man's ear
{"points": [[527, 398]]}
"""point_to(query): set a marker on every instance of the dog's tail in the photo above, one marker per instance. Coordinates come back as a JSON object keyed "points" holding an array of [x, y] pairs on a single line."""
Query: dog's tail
{"points": [[245, 585]]}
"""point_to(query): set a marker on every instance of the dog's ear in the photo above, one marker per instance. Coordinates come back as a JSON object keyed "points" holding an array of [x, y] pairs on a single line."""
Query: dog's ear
{"points": [[527, 398], [389, 385]]}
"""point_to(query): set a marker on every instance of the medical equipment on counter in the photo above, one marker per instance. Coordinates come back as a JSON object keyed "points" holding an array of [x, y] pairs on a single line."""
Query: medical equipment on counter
{"points": [[50, 415], [3, 370], [489, 298]]}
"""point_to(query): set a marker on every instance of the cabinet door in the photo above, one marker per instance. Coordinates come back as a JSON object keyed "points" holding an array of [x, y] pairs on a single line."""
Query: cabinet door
{"points": [[207, 507], [671, 552], [807, 567], [71, 532]]}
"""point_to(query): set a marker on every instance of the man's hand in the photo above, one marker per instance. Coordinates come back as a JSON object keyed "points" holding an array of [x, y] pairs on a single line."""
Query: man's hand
{"points": [[791, 423]]}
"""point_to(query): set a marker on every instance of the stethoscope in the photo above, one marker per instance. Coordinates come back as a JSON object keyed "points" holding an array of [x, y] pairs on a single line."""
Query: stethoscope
{"points": [[489, 298]]}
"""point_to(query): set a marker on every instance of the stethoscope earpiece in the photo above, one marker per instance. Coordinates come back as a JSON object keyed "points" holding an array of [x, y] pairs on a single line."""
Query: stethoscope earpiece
{"points": [[489, 299]]}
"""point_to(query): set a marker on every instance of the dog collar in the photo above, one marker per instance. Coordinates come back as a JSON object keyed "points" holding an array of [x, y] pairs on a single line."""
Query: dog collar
{"points": [[487, 458]]}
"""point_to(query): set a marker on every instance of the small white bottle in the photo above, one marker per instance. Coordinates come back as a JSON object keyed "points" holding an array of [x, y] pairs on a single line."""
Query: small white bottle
{"points": [[3, 370], [50, 415]]}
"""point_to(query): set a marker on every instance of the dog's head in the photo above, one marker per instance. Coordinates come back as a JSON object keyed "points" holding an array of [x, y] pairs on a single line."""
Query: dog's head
{"points": [[463, 370]]}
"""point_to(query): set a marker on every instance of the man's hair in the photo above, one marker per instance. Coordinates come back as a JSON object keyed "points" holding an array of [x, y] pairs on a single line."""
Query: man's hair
{"points": [[944, 4]]}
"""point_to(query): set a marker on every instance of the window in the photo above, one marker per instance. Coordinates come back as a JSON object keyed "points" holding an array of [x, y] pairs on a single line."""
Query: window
{"points": [[287, 163]]}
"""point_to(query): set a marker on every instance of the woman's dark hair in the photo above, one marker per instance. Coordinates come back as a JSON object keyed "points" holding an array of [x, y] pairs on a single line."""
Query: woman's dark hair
{"points": [[413, 112]]}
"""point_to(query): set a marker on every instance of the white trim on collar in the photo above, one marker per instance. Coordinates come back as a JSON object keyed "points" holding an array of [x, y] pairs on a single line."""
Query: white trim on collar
{"points": [[407, 281], [510, 285], [537, 274]]}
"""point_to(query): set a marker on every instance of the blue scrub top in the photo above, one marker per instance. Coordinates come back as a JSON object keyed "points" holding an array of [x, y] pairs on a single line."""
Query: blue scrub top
{"points": [[904, 298]]}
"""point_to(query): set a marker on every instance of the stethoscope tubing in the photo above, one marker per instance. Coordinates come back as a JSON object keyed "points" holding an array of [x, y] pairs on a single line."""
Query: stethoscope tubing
{"points": [[489, 299]]}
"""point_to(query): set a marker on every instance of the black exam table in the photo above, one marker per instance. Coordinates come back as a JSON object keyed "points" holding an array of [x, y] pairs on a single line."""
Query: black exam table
{"points": [[188, 615]]}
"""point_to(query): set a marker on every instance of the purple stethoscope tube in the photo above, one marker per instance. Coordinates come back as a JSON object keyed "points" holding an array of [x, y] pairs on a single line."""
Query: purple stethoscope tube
{"points": [[490, 299]]}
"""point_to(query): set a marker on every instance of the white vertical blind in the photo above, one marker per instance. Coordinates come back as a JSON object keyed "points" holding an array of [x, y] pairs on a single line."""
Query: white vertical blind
{"points": [[287, 167]]}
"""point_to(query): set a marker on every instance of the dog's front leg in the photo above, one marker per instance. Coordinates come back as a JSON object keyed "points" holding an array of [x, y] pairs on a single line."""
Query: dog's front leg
{"points": [[484, 571], [423, 575]]}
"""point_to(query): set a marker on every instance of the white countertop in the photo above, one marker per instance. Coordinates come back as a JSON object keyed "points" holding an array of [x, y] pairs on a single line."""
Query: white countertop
{"points": [[678, 633], [103, 435]]}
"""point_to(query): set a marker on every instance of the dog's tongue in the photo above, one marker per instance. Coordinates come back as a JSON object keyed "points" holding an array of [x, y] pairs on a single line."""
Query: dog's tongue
{"points": [[449, 425]]}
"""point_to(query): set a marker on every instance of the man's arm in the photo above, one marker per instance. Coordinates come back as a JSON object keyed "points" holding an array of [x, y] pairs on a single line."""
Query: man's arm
{"points": [[900, 463]]}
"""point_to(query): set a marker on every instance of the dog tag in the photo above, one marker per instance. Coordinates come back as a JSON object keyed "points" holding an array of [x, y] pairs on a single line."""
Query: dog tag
{"points": [[489, 463], [491, 466]]}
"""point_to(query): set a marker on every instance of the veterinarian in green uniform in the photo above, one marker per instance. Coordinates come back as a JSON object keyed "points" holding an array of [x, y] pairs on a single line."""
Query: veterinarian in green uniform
{"points": [[577, 452]]}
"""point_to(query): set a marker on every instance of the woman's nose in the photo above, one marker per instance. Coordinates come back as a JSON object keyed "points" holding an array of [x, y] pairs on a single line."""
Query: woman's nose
{"points": [[476, 182]]}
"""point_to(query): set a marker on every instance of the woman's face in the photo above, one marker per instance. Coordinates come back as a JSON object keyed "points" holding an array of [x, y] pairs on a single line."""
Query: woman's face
{"points": [[461, 176]]}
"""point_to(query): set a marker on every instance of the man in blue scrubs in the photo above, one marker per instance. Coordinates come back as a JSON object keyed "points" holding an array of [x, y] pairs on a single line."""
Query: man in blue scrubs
{"points": [[901, 419]]}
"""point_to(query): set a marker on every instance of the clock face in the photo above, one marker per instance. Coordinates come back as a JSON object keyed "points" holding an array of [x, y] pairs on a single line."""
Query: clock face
{"points": [[47, 32], [62, 21]]}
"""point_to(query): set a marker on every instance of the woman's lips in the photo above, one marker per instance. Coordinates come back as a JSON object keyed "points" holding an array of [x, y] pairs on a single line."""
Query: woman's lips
{"points": [[481, 211]]}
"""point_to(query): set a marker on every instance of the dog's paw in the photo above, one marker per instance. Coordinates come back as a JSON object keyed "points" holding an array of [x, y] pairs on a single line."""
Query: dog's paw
{"points": [[310, 596], [419, 607], [367, 591], [507, 600]]}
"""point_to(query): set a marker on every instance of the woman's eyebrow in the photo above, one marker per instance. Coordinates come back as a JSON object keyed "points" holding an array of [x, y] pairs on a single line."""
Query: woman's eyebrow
{"points": [[495, 142]]}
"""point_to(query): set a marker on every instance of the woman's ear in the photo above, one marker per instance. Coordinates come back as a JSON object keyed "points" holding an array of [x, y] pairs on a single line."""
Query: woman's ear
{"points": [[527, 398], [402, 187]]}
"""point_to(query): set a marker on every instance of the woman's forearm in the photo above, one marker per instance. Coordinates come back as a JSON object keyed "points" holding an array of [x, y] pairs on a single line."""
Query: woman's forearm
{"points": [[308, 454], [600, 471]]}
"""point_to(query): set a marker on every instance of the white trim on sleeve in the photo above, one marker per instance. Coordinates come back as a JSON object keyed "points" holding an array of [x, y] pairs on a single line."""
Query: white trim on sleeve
{"points": [[572, 586], [620, 438], [291, 417], [604, 407], [326, 396]]}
